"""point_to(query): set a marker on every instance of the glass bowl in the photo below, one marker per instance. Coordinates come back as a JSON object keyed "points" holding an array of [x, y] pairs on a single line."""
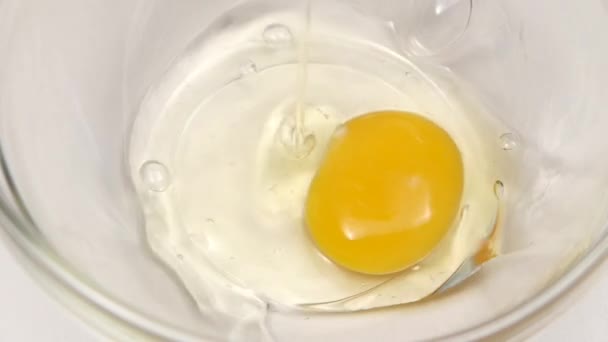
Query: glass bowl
{"points": [[72, 77]]}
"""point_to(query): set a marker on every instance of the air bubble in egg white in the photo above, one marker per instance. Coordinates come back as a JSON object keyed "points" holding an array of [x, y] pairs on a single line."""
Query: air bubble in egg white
{"points": [[464, 211], [277, 35], [340, 132], [298, 144], [155, 176], [248, 68], [499, 189], [509, 141]]}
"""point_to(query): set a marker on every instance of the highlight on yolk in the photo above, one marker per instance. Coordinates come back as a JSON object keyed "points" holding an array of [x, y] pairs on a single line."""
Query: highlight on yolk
{"points": [[386, 193]]}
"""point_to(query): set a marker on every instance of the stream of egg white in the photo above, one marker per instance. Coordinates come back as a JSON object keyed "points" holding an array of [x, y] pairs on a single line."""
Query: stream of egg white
{"points": [[302, 144]]}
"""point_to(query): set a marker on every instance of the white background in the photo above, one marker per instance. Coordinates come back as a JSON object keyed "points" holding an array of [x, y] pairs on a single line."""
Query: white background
{"points": [[27, 314]]}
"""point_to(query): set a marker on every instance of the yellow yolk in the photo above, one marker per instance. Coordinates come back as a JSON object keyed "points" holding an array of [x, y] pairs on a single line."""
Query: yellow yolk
{"points": [[387, 191]]}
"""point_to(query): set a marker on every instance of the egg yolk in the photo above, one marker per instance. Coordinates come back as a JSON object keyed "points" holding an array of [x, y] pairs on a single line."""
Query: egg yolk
{"points": [[386, 193]]}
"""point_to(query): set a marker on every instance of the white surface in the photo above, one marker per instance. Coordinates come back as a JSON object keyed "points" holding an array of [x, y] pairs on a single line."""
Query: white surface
{"points": [[27, 314]]}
